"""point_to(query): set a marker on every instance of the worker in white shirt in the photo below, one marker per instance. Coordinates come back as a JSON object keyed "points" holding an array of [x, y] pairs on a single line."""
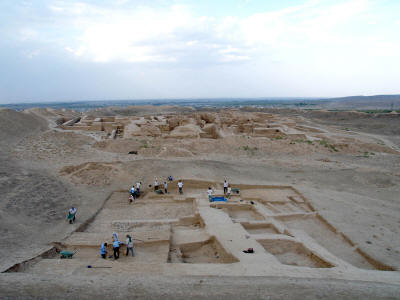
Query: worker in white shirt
{"points": [[209, 192], [129, 245], [180, 186], [138, 186], [155, 185], [228, 193], [165, 187], [225, 186]]}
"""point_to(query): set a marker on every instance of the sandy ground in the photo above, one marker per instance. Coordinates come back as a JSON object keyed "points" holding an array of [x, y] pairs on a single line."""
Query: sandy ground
{"points": [[44, 170], [195, 287]]}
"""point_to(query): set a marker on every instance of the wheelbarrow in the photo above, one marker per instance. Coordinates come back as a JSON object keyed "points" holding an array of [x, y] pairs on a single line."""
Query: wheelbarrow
{"points": [[236, 190], [67, 254]]}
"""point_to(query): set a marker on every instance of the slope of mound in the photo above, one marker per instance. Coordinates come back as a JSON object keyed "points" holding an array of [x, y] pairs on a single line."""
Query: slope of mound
{"points": [[175, 152], [32, 204], [52, 114], [16, 125], [387, 124]]}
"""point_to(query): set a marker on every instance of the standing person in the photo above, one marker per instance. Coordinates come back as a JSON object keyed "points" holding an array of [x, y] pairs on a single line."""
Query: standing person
{"points": [[133, 192], [71, 215], [165, 187], [156, 185], [209, 192], [180, 186], [129, 245], [116, 245], [103, 250], [228, 193], [138, 186], [225, 186]]}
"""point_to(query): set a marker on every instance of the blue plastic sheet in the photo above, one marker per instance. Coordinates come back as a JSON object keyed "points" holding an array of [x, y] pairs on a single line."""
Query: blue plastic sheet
{"points": [[221, 199]]}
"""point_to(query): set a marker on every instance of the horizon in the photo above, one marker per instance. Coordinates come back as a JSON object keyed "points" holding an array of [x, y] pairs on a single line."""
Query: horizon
{"points": [[280, 98], [192, 99], [383, 103], [58, 51], [175, 99]]}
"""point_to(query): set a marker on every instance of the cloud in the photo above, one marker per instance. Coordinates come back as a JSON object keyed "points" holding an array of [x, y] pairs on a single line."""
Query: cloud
{"points": [[26, 34], [309, 48], [173, 34], [74, 8], [31, 53]]}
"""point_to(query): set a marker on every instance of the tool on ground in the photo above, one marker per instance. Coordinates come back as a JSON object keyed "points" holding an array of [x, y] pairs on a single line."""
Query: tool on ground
{"points": [[147, 239], [92, 267]]}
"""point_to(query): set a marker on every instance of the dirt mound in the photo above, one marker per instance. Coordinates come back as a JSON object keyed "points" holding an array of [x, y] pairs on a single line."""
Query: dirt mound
{"points": [[388, 124], [212, 130], [150, 130], [186, 131], [53, 113], [17, 125], [207, 117], [98, 174], [174, 122], [53, 145], [32, 204]]}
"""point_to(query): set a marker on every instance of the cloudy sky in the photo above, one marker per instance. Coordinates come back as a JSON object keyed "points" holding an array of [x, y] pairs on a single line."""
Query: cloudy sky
{"points": [[141, 49]]}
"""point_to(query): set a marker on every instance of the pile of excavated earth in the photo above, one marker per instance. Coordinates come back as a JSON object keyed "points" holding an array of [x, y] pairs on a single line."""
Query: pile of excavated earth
{"points": [[314, 200]]}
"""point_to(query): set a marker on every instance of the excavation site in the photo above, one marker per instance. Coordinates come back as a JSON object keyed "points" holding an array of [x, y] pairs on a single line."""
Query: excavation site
{"points": [[199, 150], [233, 202]]}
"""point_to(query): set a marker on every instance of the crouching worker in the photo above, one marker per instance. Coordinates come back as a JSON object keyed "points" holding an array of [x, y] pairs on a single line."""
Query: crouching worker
{"points": [[116, 245], [71, 215], [103, 250], [133, 194], [129, 245]]}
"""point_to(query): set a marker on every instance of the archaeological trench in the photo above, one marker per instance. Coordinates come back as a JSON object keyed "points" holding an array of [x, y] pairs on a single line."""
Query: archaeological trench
{"points": [[188, 235]]}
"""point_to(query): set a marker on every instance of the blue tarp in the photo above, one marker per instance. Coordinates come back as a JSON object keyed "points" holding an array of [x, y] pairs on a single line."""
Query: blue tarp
{"points": [[222, 199]]}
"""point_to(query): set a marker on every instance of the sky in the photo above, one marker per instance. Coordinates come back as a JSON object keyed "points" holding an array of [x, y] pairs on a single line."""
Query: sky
{"points": [[120, 49]]}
